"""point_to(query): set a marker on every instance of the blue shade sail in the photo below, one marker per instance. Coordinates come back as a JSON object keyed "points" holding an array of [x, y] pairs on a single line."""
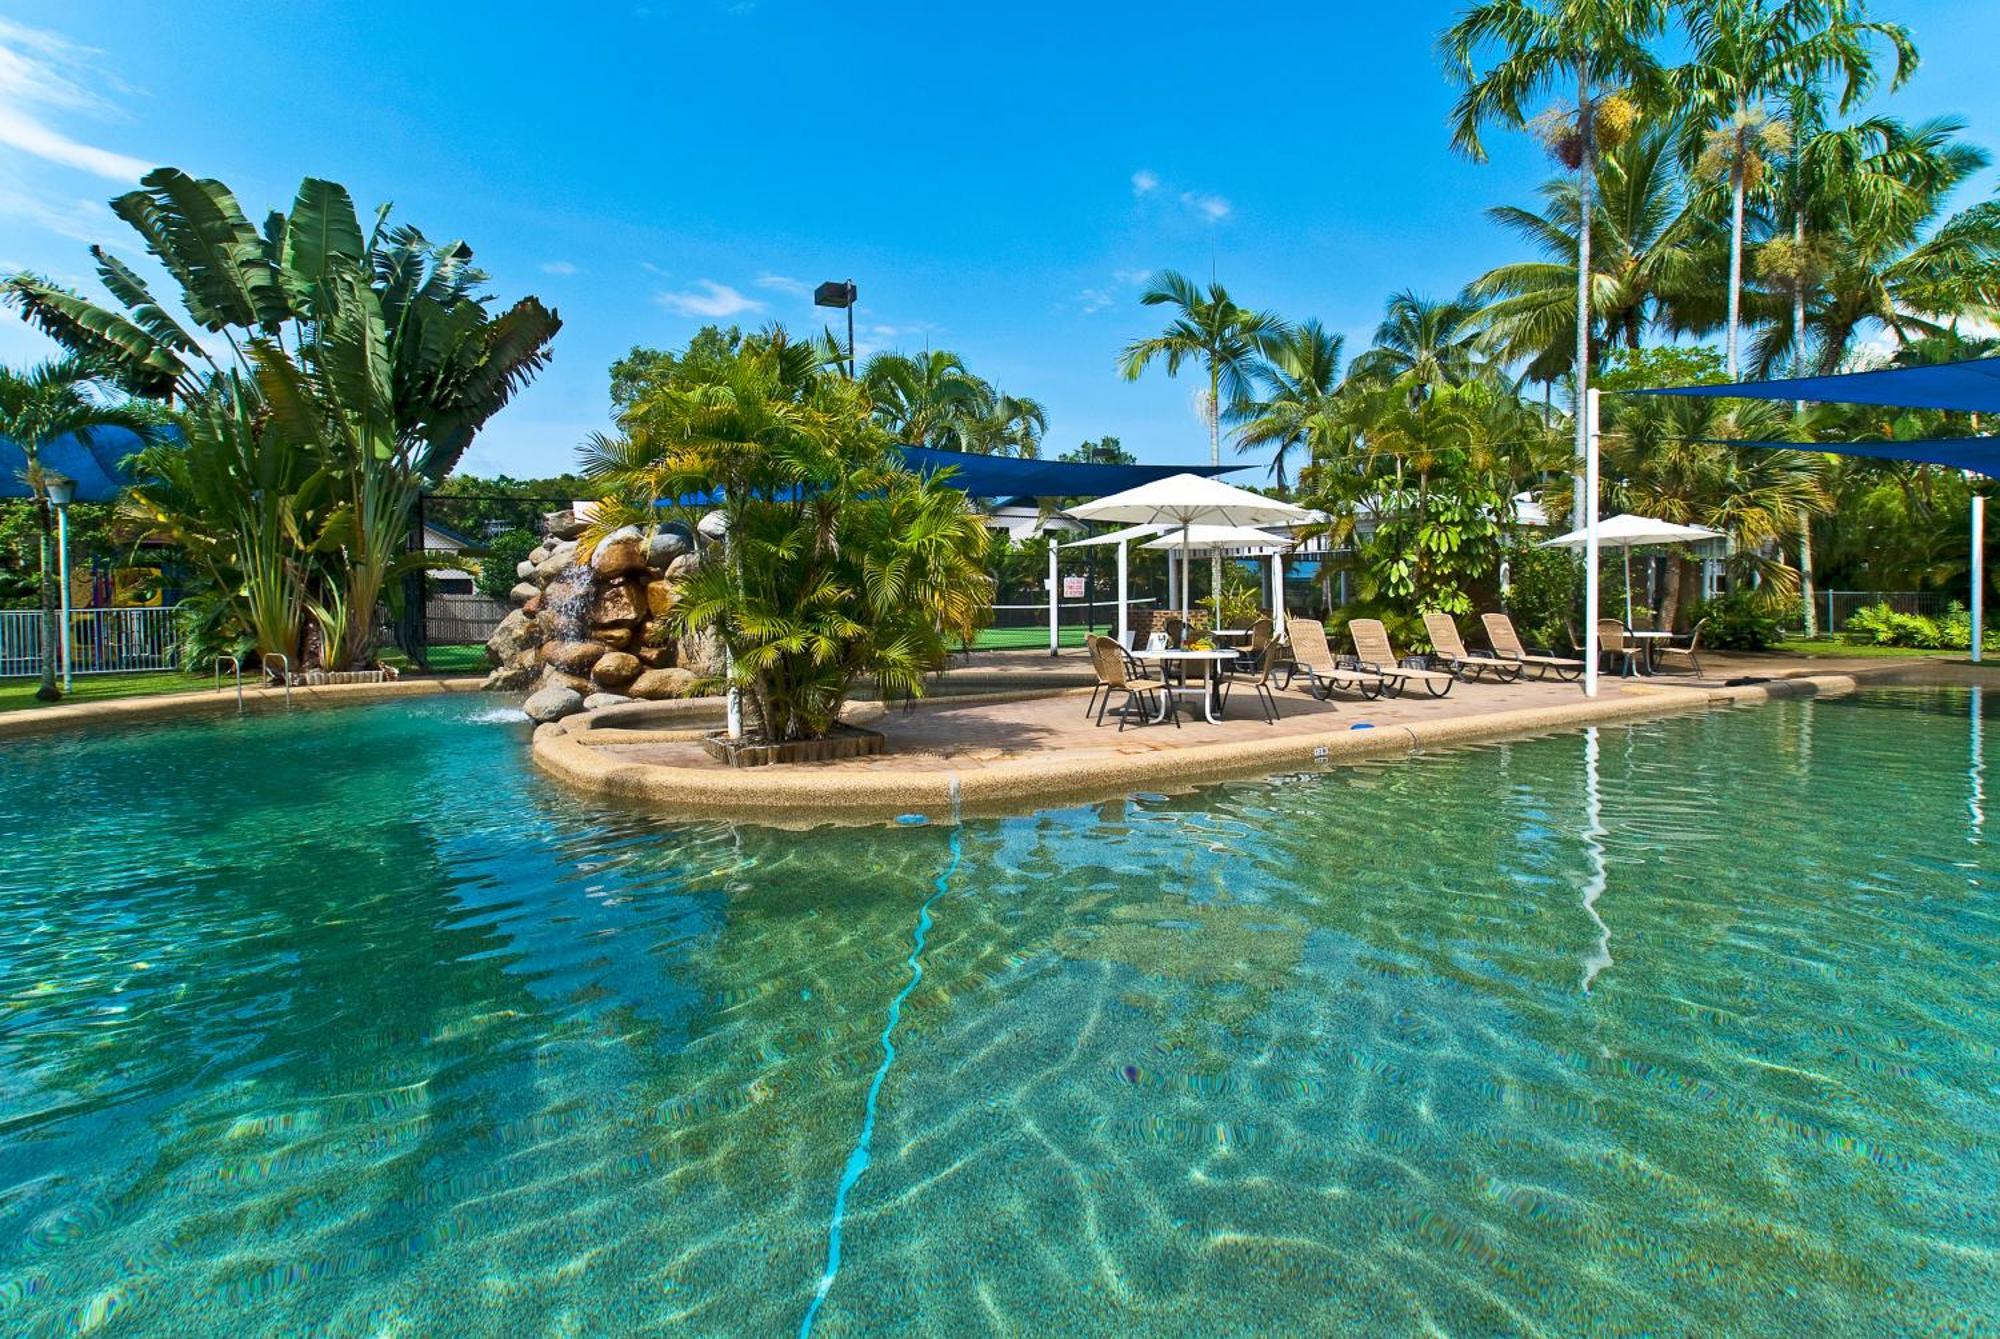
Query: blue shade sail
{"points": [[1972, 387]]}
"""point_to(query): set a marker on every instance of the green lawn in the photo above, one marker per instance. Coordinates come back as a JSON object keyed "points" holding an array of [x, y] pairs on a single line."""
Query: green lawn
{"points": [[17, 694], [1833, 646], [1028, 639]]}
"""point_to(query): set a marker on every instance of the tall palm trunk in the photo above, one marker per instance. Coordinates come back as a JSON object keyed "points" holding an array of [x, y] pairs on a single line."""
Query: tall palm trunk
{"points": [[51, 623], [1586, 209], [1807, 604], [1811, 620], [1214, 458], [1735, 268]]}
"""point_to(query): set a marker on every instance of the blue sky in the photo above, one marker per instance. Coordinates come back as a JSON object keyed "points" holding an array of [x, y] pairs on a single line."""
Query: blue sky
{"points": [[996, 180]]}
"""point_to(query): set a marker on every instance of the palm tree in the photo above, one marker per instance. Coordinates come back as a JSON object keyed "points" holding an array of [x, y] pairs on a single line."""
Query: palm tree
{"points": [[1227, 340], [1599, 46], [1008, 425], [925, 400], [1745, 52], [1899, 267], [1301, 380], [1645, 256], [1430, 342], [58, 399]]}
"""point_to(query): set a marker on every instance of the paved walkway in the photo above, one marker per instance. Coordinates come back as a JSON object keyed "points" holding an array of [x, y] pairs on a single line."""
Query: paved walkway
{"points": [[1033, 742]]}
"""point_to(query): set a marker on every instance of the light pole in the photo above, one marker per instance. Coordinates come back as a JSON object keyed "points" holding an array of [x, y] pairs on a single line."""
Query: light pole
{"points": [[62, 492], [836, 293]]}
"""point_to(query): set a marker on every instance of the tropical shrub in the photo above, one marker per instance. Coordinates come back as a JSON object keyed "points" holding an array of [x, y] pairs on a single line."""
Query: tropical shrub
{"points": [[1740, 620], [1545, 590], [505, 552], [361, 367], [1880, 625], [825, 562]]}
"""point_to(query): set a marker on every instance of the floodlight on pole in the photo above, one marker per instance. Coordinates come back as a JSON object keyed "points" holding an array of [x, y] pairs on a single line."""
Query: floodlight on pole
{"points": [[838, 293], [62, 492]]}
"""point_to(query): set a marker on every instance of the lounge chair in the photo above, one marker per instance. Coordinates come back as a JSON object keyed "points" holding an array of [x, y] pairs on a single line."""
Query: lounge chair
{"points": [[1372, 649], [1313, 658], [1506, 644], [1449, 650], [1267, 664], [1139, 704], [1690, 652]]}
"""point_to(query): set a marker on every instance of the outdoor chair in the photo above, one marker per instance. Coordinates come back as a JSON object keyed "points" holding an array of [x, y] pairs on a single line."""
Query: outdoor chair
{"points": [[1373, 650], [1449, 650], [1251, 657], [1615, 648], [1313, 659], [1506, 644], [1139, 703], [1691, 652], [1261, 685]]}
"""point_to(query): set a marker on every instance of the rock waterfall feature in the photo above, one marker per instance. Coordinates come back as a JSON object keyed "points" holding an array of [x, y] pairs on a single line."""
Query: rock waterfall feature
{"points": [[592, 631]]}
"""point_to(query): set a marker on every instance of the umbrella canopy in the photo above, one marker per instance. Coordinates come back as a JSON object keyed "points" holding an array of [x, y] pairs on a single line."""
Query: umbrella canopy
{"points": [[1633, 532], [1185, 501], [1222, 537], [1630, 532]]}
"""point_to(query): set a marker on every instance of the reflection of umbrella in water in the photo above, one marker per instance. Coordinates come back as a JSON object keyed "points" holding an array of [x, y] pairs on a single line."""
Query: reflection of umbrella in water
{"points": [[1187, 501], [1630, 532]]}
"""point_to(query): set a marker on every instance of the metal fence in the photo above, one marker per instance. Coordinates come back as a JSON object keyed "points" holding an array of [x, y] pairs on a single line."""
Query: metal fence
{"points": [[1835, 607], [101, 641]]}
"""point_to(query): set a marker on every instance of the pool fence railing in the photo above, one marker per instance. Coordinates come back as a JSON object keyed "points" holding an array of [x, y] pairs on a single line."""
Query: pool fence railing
{"points": [[101, 641]]}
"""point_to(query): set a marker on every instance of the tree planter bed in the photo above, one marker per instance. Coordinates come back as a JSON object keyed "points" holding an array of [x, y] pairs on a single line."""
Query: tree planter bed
{"points": [[846, 741]]}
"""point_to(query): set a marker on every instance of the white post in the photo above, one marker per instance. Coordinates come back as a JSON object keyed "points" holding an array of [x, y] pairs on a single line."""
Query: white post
{"points": [[1124, 596], [1055, 594], [1173, 582], [1277, 594], [1978, 574], [1590, 543], [62, 571]]}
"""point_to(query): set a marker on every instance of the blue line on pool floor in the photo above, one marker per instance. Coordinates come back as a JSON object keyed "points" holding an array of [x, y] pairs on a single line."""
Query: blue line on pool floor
{"points": [[857, 1161]]}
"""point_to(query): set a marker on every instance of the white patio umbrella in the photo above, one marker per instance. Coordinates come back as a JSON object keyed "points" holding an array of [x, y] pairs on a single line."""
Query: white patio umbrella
{"points": [[1200, 538], [1630, 532], [1188, 500]]}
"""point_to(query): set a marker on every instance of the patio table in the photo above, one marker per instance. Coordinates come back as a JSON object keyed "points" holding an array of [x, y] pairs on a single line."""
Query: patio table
{"points": [[1210, 688], [1649, 641]]}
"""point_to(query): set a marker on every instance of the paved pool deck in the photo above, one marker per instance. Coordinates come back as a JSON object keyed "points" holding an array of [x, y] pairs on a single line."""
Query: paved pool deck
{"points": [[1018, 737]]}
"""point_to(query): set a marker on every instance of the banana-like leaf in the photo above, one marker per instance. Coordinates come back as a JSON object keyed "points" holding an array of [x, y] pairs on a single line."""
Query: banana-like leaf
{"points": [[144, 308], [198, 231], [131, 353], [322, 237]]}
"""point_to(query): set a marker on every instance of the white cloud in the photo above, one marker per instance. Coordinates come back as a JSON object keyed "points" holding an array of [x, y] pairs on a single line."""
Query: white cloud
{"points": [[1211, 207], [708, 298], [558, 267], [41, 72], [784, 283], [1093, 300], [1145, 181], [1131, 276]]}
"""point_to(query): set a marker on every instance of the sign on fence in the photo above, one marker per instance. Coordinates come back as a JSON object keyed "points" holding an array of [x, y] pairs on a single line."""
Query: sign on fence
{"points": [[1072, 588]]}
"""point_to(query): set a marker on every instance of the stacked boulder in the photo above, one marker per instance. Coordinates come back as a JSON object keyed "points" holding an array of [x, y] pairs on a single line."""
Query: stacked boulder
{"points": [[591, 631]]}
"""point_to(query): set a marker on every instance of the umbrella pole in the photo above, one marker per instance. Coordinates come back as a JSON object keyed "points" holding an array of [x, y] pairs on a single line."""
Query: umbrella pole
{"points": [[1628, 585]]}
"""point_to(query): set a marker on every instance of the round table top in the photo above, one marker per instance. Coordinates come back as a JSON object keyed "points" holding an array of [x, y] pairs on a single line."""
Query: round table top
{"points": [[1144, 653]]}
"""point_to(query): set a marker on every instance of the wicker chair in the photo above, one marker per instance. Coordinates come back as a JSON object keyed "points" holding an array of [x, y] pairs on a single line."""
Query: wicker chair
{"points": [[1261, 684], [1613, 646], [1690, 652], [1139, 704]]}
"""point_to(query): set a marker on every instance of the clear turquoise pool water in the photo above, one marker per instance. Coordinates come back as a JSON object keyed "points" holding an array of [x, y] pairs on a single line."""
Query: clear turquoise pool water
{"points": [[345, 1023]]}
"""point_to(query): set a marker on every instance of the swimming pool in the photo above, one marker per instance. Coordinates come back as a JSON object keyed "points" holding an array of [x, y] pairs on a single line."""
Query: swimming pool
{"points": [[346, 1022]]}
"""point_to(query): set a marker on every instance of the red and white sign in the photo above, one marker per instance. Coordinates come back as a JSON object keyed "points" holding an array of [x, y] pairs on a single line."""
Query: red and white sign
{"points": [[1072, 588]]}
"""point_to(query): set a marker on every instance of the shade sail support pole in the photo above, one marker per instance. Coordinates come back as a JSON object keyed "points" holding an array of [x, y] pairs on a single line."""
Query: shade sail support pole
{"points": [[1055, 596], [1124, 594], [1277, 596], [1978, 575], [1590, 549]]}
